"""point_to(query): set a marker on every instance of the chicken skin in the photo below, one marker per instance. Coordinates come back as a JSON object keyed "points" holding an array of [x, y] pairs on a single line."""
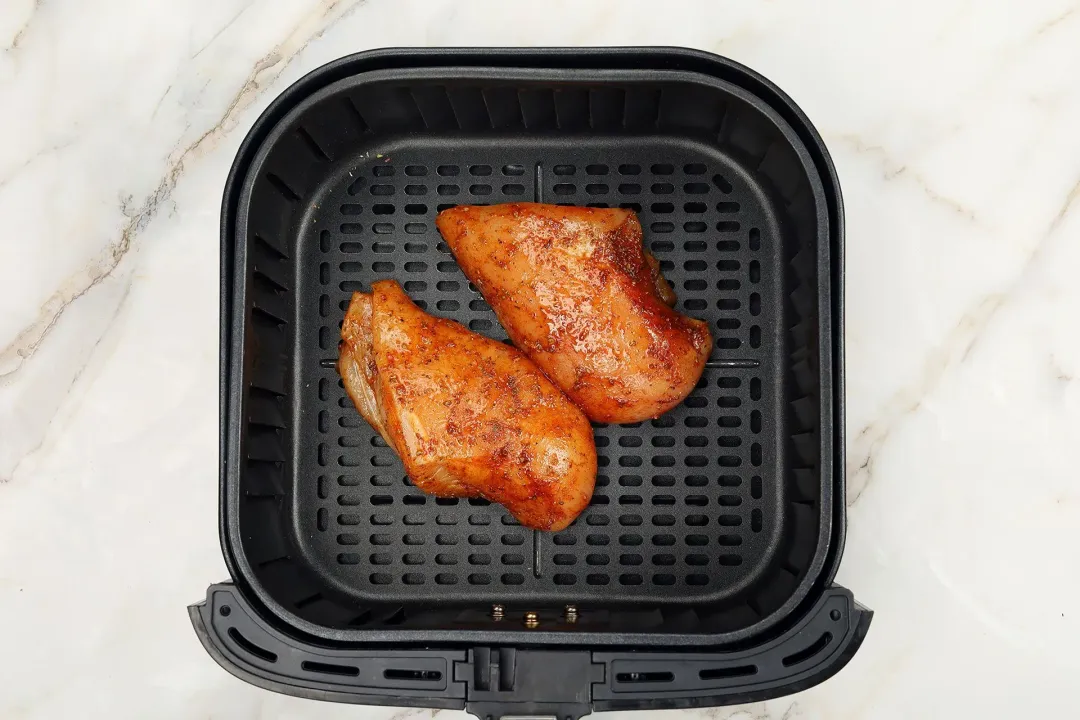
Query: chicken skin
{"points": [[579, 295], [469, 416]]}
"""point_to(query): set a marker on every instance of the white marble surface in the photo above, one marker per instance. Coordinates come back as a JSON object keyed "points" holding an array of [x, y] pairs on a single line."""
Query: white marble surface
{"points": [[955, 125]]}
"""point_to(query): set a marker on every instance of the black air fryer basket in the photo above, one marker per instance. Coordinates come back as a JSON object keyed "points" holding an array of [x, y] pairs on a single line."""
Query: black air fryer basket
{"points": [[701, 572]]}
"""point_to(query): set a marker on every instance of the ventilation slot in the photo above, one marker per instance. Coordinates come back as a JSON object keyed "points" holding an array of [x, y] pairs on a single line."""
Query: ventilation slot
{"points": [[726, 673], [645, 677], [809, 651], [329, 668], [251, 648], [412, 675]]}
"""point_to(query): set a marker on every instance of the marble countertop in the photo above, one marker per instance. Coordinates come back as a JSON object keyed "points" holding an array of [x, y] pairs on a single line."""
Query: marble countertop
{"points": [[954, 126]]}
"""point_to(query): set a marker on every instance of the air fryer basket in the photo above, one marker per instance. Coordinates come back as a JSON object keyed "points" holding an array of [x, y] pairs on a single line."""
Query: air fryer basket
{"points": [[715, 530]]}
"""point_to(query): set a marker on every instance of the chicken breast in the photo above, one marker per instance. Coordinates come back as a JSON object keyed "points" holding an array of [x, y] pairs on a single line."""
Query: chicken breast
{"points": [[469, 416], [579, 295]]}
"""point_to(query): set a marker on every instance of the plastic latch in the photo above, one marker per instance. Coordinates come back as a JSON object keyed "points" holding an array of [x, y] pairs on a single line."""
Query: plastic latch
{"points": [[516, 684]]}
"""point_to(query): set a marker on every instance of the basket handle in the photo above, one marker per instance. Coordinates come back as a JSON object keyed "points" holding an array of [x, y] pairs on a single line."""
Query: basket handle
{"points": [[511, 683]]}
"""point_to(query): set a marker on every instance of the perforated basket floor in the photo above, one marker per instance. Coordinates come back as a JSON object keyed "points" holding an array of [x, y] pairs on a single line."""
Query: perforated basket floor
{"points": [[680, 511], [714, 508]]}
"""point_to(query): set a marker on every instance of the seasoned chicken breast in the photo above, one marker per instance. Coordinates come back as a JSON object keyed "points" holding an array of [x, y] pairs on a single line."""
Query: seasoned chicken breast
{"points": [[579, 295], [469, 416]]}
